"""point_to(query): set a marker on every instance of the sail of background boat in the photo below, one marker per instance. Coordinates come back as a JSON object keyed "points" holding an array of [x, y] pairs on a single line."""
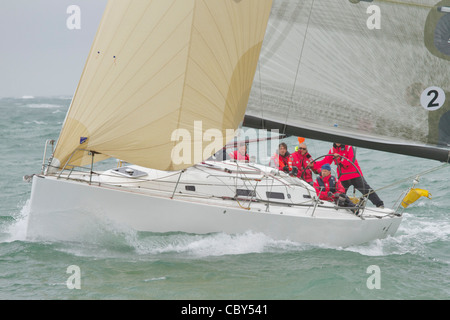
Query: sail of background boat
{"points": [[373, 74]]}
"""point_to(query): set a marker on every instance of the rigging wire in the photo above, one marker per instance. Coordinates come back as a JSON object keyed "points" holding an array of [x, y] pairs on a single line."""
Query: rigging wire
{"points": [[298, 65], [260, 94], [395, 182], [415, 176]]}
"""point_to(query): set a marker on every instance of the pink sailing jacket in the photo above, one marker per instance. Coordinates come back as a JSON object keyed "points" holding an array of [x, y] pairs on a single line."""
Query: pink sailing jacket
{"points": [[345, 169], [301, 162]]}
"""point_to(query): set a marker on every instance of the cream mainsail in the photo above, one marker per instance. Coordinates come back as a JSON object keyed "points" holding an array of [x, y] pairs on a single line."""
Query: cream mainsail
{"points": [[157, 66]]}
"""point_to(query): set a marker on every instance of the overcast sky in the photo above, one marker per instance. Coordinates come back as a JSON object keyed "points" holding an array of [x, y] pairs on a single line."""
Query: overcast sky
{"points": [[39, 54]]}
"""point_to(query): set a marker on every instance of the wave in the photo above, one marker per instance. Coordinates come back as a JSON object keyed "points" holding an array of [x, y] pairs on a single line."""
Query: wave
{"points": [[35, 122], [43, 106], [216, 244], [414, 236], [15, 227], [91, 235]]}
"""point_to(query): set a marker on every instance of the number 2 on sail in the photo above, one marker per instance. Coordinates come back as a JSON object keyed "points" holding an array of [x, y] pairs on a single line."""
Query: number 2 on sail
{"points": [[432, 98]]}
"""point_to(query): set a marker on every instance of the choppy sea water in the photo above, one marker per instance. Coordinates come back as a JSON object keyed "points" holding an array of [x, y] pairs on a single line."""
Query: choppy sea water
{"points": [[116, 263]]}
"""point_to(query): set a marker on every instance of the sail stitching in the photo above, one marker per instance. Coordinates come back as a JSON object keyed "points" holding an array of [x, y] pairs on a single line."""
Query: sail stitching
{"points": [[180, 110], [71, 110], [114, 97], [87, 85], [107, 123], [76, 95], [119, 75]]}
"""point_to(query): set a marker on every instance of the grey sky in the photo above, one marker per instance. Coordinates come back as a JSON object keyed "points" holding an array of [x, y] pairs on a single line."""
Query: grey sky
{"points": [[39, 54]]}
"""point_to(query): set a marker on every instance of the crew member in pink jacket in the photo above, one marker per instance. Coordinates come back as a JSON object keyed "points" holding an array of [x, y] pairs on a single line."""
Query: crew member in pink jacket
{"points": [[302, 161], [349, 172]]}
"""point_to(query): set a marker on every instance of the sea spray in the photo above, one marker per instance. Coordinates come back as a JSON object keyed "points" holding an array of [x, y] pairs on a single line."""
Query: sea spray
{"points": [[16, 230]]}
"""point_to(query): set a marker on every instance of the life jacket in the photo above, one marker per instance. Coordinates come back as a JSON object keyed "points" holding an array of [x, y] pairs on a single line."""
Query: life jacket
{"points": [[237, 156], [328, 184], [331, 184], [279, 161]]}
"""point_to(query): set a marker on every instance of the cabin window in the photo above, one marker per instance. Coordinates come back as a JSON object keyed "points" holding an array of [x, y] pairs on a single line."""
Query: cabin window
{"points": [[245, 193], [275, 195], [190, 188]]}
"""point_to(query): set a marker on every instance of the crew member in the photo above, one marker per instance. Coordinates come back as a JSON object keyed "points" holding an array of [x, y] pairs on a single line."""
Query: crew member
{"points": [[349, 172], [241, 153], [280, 159], [300, 162], [329, 188]]}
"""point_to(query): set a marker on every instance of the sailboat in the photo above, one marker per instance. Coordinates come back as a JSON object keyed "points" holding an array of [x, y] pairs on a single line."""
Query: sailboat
{"points": [[168, 83]]}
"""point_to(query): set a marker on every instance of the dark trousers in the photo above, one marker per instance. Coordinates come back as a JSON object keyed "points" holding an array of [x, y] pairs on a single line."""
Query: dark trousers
{"points": [[344, 201], [362, 186]]}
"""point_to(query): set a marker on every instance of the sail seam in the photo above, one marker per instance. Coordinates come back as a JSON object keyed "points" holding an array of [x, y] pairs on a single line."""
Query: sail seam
{"points": [[185, 75], [154, 75], [75, 96], [112, 83], [87, 85], [223, 40], [119, 51]]}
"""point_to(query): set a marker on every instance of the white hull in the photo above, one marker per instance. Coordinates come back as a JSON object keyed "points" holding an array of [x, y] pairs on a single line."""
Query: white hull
{"points": [[59, 206]]}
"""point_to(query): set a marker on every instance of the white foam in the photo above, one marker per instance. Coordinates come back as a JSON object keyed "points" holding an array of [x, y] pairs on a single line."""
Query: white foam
{"points": [[17, 231], [43, 106], [217, 244], [35, 122], [412, 236], [155, 279]]}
